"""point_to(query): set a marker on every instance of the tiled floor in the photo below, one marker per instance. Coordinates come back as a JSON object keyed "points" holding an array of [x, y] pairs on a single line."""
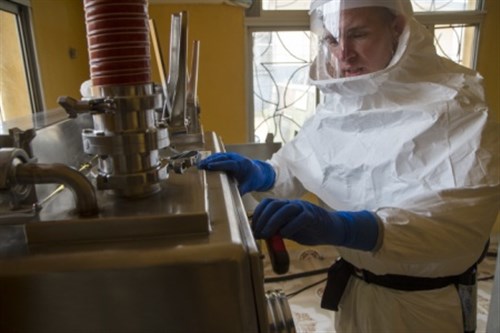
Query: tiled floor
{"points": [[306, 312]]}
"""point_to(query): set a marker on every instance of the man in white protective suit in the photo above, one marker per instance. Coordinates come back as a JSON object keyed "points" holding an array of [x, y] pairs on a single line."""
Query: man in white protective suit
{"points": [[404, 160]]}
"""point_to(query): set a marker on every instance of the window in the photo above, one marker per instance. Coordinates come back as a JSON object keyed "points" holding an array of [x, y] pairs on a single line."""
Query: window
{"points": [[20, 92], [279, 54]]}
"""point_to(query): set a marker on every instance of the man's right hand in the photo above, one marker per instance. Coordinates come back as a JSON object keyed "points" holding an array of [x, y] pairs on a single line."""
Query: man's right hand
{"points": [[251, 175]]}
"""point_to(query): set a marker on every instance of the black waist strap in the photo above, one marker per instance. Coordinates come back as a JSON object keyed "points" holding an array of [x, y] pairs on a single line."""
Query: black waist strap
{"points": [[340, 272], [406, 283]]}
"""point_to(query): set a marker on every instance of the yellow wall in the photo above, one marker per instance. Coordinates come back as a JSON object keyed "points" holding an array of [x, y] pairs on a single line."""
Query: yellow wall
{"points": [[59, 25], [221, 89], [489, 56], [489, 65]]}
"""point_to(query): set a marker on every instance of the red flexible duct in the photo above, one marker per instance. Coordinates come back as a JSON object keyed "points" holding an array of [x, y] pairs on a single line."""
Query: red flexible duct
{"points": [[118, 41]]}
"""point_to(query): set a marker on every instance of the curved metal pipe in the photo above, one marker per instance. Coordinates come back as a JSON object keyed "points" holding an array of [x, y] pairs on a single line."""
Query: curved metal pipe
{"points": [[84, 192]]}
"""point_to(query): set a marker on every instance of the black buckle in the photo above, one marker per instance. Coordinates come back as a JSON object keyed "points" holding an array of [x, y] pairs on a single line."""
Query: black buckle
{"points": [[338, 277]]}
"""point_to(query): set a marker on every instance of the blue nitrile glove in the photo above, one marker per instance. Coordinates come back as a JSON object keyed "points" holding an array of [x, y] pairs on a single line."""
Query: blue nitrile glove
{"points": [[309, 224], [251, 175]]}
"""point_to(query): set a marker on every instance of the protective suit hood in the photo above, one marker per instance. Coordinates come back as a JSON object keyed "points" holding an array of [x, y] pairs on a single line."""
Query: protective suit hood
{"points": [[331, 27], [414, 58], [362, 84]]}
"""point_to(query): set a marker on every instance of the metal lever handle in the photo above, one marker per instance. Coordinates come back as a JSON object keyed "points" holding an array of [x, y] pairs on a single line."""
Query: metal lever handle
{"points": [[167, 107]]}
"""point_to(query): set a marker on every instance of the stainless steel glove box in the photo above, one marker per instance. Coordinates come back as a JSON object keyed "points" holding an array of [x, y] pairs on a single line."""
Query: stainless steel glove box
{"points": [[182, 260]]}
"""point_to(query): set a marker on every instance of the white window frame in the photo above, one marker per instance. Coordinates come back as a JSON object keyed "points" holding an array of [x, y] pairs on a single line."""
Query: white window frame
{"points": [[22, 10]]}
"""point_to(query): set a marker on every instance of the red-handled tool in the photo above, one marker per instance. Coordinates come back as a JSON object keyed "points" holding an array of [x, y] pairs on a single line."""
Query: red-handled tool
{"points": [[280, 261]]}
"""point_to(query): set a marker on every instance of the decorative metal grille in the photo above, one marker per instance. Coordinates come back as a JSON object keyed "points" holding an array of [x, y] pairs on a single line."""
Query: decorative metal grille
{"points": [[282, 97]]}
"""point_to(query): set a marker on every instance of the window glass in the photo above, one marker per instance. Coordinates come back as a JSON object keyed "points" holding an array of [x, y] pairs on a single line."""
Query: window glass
{"points": [[285, 4], [444, 5], [282, 97], [455, 41], [418, 5], [14, 93]]}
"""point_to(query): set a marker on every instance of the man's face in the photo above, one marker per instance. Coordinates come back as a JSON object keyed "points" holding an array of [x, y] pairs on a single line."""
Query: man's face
{"points": [[366, 43]]}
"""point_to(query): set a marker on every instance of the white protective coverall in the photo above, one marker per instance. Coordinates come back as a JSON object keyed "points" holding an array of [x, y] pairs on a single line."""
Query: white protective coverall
{"points": [[413, 144]]}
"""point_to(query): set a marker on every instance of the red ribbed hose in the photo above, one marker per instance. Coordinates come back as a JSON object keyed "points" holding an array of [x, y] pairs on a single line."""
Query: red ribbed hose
{"points": [[118, 41]]}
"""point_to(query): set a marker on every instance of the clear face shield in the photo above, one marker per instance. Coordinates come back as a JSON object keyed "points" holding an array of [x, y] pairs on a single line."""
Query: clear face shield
{"points": [[355, 37]]}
